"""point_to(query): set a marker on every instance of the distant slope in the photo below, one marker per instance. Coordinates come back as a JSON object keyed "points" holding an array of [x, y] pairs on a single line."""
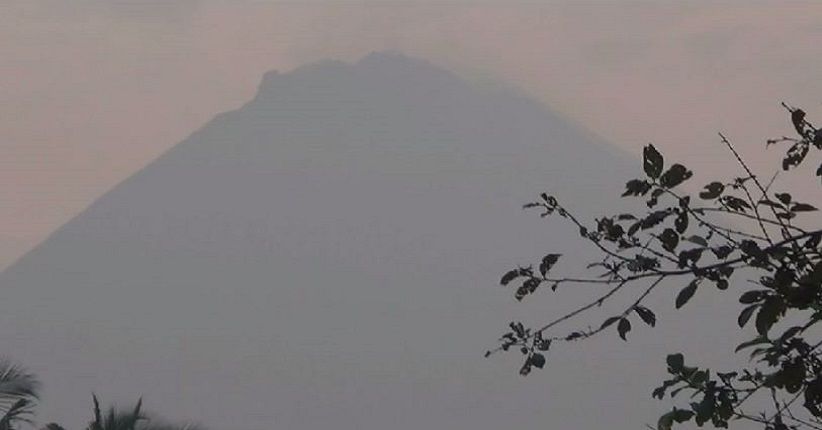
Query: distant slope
{"points": [[325, 256]]}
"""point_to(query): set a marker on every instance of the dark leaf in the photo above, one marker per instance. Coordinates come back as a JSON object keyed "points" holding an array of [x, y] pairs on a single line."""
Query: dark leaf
{"points": [[674, 176], [699, 377], [681, 222], [798, 120], [526, 368], [722, 284], [609, 321], [654, 218], [690, 256], [721, 252], [698, 240], [666, 422], [735, 203], [645, 315], [795, 155], [751, 248], [751, 297], [756, 341], [675, 362], [768, 315], [538, 360], [548, 262], [803, 207], [785, 198], [636, 187], [712, 191], [789, 333], [669, 239], [686, 293], [652, 161], [510, 276], [623, 328], [682, 415], [634, 228], [745, 315], [813, 241]]}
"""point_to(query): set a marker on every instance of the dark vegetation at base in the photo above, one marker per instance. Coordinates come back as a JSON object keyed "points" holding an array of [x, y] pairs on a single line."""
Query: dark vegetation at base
{"points": [[20, 392]]}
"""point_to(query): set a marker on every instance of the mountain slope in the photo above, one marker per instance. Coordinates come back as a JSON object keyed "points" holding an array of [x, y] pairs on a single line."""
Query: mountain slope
{"points": [[323, 256]]}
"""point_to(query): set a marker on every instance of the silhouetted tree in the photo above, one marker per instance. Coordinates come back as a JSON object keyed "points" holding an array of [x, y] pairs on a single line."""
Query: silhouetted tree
{"points": [[731, 226], [19, 393]]}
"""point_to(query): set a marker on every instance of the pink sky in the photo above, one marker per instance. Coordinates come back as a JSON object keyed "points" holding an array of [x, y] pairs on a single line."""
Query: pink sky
{"points": [[90, 91]]}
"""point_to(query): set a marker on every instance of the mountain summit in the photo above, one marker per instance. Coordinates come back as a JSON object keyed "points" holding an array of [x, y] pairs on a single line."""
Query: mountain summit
{"points": [[323, 257]]}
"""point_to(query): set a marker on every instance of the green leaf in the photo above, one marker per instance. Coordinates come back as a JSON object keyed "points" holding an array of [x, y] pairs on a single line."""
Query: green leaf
{"points": [[686, 293], [652, 161], [623, 328]]}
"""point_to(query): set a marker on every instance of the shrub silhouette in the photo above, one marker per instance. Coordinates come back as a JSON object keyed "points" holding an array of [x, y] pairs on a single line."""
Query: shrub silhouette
{"points": [[741, 224], [19, 393]]}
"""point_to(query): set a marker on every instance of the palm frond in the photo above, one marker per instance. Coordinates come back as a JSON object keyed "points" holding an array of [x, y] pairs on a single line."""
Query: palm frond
{"points": [[116, 419], [17, 383], [52, 426], [19, 411]]}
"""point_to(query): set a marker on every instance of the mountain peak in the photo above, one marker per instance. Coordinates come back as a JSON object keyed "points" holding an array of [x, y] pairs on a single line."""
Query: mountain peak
{"points": [[326, 238], [377, 68], [393, 59]]}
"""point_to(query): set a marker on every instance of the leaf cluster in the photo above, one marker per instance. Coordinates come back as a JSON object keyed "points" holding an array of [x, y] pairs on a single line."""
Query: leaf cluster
{"points": [[703, 241]]}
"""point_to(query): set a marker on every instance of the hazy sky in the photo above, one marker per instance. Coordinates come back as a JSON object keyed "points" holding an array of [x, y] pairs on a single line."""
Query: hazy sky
{"points": [[92, 90]]}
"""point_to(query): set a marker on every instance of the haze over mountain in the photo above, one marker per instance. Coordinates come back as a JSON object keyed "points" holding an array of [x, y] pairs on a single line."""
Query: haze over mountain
{"points": [[325, 256]]}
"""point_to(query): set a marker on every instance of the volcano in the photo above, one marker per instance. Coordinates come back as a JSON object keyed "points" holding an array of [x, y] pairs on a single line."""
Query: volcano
{"points": [[325, 256]]}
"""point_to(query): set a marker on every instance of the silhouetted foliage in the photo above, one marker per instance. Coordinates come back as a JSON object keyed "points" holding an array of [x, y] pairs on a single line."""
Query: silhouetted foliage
{"points": [[731, 226], [19, 393]]}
